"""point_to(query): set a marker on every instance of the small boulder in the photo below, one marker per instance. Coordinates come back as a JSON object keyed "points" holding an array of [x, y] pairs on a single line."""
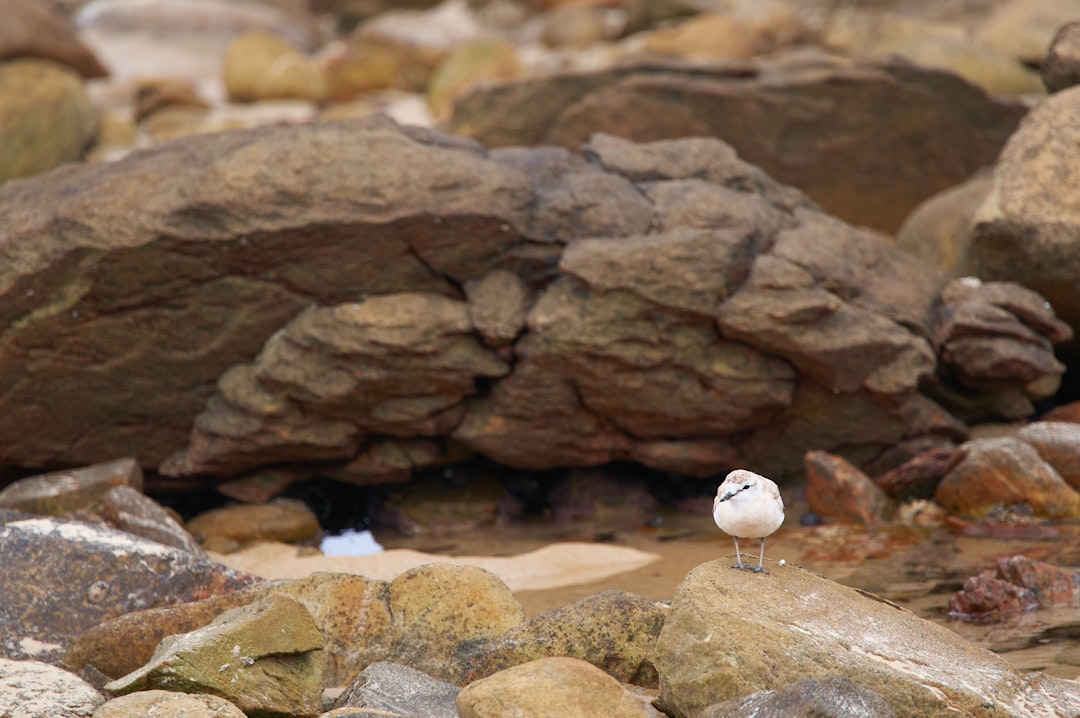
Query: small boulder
{"points": [[392, 689], [614, 630], [1017, 584], [918, 477], [1005, 471], [264, 658], [987, 598], [441, 610], [839, 492], [170, 703], [61, 578], [498, 302], [285, 520], [265, 67], [132, 511], [558, 687], [46, 117], [30, 689], [1058, 443]]}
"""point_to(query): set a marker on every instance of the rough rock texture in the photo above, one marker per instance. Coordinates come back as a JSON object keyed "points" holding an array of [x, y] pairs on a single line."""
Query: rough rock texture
{"points": [[237, 232], [264, 658], [352, 614], [30, 689], [132, 511], [440, 611], [997, 335], [38, 29], [809, 120], [391, 689], [838, 492], [1027, 229], [63, 493], [1061, 66], [1003, 472], [1017, 584], [46, 117], [380, 299], [733, 633], [549, 688], [170, 703], [90, 574], [838, 697], [397, 365], [614, 630]]}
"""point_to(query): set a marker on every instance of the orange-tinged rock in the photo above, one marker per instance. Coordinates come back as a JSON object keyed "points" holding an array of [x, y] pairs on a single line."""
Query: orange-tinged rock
{"points": [[841, 493], [1002, 472]]}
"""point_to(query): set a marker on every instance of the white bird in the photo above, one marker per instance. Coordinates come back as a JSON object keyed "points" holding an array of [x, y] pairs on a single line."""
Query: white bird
{"points": [[748, 505]]}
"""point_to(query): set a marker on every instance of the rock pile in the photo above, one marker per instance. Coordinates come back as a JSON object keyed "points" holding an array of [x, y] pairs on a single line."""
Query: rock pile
{"points": [[665, 303], [444, 640]]}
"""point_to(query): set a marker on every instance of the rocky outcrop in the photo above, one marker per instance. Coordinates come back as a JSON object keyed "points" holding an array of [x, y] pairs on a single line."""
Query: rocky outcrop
{"points": [[48, 567], [810, 120], [381, 299], [264, 658], [733, 633]]}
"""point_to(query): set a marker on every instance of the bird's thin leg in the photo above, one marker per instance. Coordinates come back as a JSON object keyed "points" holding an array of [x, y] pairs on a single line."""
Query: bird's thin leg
{"points": [[761, 559], [738, 556]]}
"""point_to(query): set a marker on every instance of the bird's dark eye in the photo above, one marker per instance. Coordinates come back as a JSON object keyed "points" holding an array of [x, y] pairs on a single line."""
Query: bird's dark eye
{"points": [[746, 486]]}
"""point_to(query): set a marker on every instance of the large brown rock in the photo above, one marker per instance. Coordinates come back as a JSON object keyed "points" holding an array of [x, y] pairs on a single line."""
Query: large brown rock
{"points": [[59, 578], [379, 299], [841, 132], [440, 611], [733, 633], [237, 232], [1003, 472], [1028, 229], [265, 658]]}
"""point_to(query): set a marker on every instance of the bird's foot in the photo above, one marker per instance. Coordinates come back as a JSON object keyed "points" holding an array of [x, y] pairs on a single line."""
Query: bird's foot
{"points": [[742, 565], [757, 569]]}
